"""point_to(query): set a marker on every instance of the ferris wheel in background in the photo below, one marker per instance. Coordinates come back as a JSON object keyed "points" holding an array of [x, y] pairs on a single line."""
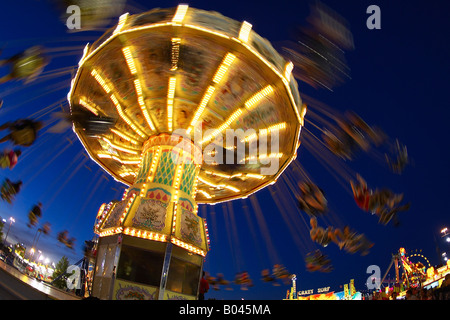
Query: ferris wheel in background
{"points": [[415, 265], [416, 256]]}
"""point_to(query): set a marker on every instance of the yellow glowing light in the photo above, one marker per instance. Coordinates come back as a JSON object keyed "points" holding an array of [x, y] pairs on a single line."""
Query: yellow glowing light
{"points": [[129, 58], [125, 117], [178, 173], [244, 32], [233, 117], [127, 208], [281, 76], [226, 176], [176, 186], [122, 161], [254, 175], [227, 61], [153, 165], [100, 211], [201, 107], [114, 100], [206, 194], [303, 113], [174, 220], [137, 85], [231, 188], [144, 234], [110, 231], [265, 131], [124, 136], [143, 189], [88, 106], [272, 155], [224, 125], [188, 247], [219, 174], [180, 13], [220, 186], [85, 51], [175, 53], [194, 187], [128, 161], [122, 20], [170, 96], [288, 70], [278, 126], [258, 96], [263, 156], [120, 148], [127, 173], [250, 137]]}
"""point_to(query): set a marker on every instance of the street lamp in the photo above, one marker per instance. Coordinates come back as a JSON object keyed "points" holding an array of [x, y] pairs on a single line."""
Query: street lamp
{"points": [[445, 239], [11, 220], [445, 234], [35, 241]]}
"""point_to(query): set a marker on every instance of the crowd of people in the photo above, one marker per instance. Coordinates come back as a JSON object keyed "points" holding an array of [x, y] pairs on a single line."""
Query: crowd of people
{"points": [[415, 293]]}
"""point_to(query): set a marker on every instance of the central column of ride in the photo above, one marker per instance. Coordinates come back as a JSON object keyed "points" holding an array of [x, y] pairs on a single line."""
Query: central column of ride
{"points": [[152, 243]]}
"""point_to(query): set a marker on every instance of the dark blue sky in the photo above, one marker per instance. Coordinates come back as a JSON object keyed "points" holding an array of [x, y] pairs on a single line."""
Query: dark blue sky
{"points": [[399, 83]]}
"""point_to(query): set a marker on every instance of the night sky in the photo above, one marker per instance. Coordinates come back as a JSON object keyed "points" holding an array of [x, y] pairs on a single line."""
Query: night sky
{"points": [[399, 82]]}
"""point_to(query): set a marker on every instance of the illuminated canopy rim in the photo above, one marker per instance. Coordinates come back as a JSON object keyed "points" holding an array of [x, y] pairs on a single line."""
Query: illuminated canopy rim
{"points": [[186, 68]]}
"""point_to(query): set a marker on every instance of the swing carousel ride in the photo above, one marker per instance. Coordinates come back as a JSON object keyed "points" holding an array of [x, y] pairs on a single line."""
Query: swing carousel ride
{"points": [[181, 125], [154, 74]]}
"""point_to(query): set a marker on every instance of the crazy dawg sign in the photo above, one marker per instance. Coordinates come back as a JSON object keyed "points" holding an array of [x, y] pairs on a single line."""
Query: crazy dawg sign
{"points": [[311, 291]]}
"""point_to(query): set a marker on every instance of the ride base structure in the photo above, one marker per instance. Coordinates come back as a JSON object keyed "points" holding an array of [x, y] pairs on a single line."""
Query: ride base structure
{"points": [[155, 73], [153, 235]]}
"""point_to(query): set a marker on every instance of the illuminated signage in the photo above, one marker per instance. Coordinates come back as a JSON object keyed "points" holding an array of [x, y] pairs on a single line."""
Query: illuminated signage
{"points": [[311, 291]]}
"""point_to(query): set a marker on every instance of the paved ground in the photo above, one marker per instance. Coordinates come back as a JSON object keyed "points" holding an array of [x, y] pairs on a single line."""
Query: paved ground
{"points": [[15, 285]]}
